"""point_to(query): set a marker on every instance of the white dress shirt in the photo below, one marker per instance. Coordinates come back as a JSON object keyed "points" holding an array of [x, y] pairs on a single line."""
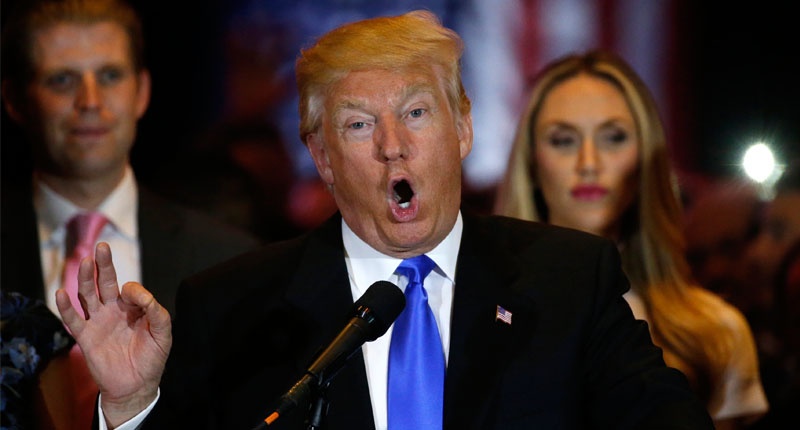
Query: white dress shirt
{"points": [[121, 232], [365, 266]]}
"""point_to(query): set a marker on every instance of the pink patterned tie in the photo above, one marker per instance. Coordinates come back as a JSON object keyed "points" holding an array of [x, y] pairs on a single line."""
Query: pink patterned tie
{"points": [[82, 233]]}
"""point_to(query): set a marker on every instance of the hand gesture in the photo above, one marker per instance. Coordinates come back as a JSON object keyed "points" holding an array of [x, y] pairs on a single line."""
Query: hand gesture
{"points": [[125, 337]]}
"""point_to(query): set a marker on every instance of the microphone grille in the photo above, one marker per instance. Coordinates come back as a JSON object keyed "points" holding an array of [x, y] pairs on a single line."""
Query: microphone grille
{"points": [[380, 305]]}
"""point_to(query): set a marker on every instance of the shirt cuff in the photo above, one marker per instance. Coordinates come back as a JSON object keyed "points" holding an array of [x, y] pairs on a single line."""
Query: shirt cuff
{"points": [[131, 424]]}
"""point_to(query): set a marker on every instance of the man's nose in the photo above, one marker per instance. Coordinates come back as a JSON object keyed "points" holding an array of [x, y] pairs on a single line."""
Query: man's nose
{"points": [[392, 140], [88, 97]]}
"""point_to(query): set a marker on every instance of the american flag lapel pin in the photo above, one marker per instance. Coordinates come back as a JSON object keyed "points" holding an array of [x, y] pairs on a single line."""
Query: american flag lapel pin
{"points": [[503, 315]]}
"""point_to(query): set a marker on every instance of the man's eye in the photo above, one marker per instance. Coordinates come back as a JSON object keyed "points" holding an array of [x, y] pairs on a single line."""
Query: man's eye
{"points": [[61, 82], [416, 113], [110, 75], [358, 125]]}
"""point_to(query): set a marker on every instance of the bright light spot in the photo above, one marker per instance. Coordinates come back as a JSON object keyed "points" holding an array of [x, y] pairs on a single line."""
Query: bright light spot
{"points": [[759, 162]]}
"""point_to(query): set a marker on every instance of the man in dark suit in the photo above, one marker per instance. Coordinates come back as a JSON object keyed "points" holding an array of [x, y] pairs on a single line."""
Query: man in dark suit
{"points": [[530, 318], [74, 80]]}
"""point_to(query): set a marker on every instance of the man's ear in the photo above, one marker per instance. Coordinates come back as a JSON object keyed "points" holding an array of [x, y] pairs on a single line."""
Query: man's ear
{"points": [[143, 93], [12, 100], [316, 146], [464, 128]]}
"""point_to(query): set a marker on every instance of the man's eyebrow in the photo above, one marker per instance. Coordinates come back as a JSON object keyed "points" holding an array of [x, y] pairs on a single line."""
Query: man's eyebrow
{"points": [[407, 92], [345, 105], [413, 89]]}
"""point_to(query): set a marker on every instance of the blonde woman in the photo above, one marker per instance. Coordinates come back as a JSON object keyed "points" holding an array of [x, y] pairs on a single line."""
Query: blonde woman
{"points": [[590, 154]]}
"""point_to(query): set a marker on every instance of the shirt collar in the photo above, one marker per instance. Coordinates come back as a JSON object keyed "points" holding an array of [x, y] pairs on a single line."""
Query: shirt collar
{"points": [[120, 207], [366, 265]]}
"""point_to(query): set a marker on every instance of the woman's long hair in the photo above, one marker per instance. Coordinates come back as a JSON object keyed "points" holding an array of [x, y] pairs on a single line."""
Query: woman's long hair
{"points": [[682, 317]]}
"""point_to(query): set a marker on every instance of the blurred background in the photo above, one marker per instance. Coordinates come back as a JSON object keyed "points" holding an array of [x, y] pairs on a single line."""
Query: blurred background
{"points": [[220, 133], [221, 130]]}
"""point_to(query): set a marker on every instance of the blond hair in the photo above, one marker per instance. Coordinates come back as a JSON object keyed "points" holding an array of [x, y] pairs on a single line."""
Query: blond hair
{"points": [[412, 40]]}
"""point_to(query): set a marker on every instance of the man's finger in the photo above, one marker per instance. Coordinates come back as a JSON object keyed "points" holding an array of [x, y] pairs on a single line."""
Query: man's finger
{"points": [[157, 316], [106, 274], [87, 291], [69, 315]]}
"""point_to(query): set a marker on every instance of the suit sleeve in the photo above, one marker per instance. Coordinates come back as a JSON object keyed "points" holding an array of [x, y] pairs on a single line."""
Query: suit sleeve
{"points": [[627, 380]]}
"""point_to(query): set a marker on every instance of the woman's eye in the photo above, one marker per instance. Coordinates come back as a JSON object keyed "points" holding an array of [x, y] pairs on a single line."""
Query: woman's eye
{"points": [[618, 136], [614, 137], [562, 140]]}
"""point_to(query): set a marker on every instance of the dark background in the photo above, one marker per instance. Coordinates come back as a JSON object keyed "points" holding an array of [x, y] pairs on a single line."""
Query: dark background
{"points": [[735, 64], [745, 85]]}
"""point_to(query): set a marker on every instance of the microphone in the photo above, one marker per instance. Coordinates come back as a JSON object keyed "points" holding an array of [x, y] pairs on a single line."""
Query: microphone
{"points": [[372, 314]]}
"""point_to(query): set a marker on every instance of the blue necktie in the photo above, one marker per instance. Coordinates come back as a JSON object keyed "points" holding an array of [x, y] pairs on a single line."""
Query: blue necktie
{"points": [[416, 358]]}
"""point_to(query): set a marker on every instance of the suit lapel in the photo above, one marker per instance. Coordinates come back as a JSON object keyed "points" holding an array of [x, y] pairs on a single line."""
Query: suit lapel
{"points": [[21, 261], [158, 231], [481, 344], [321, 288]]}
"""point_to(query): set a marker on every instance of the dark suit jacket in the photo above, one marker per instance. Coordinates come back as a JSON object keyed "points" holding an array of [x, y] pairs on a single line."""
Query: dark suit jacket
{"points": [[573, 357], [175, 242]]}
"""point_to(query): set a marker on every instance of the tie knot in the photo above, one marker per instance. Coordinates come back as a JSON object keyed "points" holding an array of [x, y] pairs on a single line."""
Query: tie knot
{"points": [[416, 269], [83, 230]]}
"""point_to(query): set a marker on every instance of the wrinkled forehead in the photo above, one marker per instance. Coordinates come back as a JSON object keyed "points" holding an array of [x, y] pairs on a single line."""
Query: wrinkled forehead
{"points": [[373, 89]]}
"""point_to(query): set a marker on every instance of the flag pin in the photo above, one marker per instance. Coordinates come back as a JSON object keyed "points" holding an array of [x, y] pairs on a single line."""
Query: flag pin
{"points": [[503, 315]]}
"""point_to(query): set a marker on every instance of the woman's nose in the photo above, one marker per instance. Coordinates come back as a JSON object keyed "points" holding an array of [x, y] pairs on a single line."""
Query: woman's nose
{"points": [[588, 161]]}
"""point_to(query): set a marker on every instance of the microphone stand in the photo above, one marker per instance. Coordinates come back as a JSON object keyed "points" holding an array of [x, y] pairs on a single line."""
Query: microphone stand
{"points": [[318, 408]]}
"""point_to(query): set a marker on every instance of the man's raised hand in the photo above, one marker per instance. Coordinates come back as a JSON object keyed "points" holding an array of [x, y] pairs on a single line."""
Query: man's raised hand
{"points": [[126, 338]]}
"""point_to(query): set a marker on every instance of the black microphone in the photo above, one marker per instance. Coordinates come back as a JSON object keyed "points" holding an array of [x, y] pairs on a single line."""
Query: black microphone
{"points": [[373, 313]]}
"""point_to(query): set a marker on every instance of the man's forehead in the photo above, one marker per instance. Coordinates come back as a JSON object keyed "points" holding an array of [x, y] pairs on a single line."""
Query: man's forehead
{"points": [[369, 89], [68, 38], [402, 94]]}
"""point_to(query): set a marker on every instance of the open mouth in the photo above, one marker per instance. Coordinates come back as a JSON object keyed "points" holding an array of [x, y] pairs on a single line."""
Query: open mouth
{"points": [[403, 194]]}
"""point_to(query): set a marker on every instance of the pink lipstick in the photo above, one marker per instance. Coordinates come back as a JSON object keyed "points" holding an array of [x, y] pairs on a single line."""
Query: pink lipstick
{"points": [[589, 192]]}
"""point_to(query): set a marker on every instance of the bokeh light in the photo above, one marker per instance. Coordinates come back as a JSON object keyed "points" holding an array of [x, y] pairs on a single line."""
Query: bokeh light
{"points": [[759, 162]]}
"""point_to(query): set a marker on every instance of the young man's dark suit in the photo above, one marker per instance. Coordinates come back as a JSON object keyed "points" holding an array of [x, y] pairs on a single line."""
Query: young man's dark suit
{"points": [[175, 243], [569, 359]]}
